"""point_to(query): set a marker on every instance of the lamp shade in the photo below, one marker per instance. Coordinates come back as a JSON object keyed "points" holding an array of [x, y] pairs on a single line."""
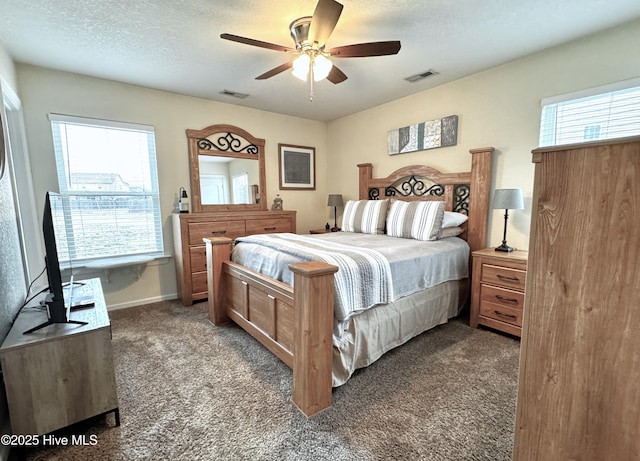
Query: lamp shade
{"points": [[508, 199], [335, 200]]}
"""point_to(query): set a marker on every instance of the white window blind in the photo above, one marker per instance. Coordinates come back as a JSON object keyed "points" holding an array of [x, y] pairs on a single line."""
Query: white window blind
{"points": [[108, 182], [601, 113]]}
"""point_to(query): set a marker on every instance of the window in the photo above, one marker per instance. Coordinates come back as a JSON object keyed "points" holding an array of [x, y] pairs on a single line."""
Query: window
{"points": [[241, 188], [108, 182], [600, 113]]}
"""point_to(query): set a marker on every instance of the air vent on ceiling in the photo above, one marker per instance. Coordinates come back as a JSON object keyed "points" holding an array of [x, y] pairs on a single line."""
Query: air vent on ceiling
{"points": [[421, 75], [234, 94]]}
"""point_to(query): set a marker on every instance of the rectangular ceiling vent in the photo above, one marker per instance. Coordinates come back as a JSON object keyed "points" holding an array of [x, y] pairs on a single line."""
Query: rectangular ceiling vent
{"points": [[421, 76], [234, 94]]}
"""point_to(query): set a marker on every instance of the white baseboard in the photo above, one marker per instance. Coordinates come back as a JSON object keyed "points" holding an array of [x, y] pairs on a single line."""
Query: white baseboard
{"points": [[140, 302]]}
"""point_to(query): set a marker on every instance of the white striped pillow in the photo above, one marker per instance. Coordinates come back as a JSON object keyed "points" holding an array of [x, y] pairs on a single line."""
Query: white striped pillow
{"points": [[365, 216], [415, 220]]}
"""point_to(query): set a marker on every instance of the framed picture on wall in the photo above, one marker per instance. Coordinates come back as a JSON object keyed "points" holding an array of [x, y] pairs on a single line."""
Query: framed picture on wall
{"points": [[297, 165]]}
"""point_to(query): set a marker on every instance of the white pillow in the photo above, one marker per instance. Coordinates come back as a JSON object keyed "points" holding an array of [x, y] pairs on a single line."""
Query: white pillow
{"points": [[447, 232], [416, 220], [365, 216], [453, 219]]}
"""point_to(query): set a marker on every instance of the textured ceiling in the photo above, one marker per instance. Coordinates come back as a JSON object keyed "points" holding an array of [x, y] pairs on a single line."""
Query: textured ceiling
{"points": [[175, 45]]}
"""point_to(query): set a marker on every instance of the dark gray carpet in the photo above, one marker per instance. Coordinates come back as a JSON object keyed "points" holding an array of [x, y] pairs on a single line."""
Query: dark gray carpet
{"points": [[192, 391]]}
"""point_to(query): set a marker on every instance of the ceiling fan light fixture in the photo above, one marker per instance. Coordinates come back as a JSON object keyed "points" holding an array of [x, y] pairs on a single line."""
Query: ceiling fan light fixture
{"points": [[305, 63], [321, 67], [301, 67]]}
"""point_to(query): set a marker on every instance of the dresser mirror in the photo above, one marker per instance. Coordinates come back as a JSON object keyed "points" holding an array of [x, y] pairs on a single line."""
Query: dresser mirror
{"points": [[227, 169]]}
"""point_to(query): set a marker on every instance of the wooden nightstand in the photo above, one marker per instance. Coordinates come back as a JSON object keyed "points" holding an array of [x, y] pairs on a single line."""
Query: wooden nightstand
{"points": [[498, 284], [320, 231]]}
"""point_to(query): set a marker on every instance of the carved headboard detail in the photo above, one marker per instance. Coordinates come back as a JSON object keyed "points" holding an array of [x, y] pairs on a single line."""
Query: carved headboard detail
{"points": [[465, 192]]}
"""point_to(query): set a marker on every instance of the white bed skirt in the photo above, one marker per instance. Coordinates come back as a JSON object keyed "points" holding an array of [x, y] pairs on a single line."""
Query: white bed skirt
{"points": [[368, 335]]}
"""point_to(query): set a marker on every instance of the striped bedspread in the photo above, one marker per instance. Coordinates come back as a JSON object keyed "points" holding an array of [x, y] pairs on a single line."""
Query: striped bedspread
{"points": [[363, 279]]}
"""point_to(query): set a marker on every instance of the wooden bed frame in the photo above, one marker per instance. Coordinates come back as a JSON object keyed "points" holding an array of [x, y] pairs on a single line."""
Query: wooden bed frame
{"points": [[297, 324]]}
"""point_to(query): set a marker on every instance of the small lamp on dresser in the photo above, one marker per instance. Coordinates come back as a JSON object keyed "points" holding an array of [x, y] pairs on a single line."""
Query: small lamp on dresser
{"points": [[507, 199], [335, 200]]}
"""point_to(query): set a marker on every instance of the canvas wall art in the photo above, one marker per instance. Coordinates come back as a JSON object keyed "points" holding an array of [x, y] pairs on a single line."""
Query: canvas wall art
{"points": [[426, 135]]}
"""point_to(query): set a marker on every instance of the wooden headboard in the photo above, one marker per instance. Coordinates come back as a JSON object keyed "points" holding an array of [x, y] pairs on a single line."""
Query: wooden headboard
{"points": [[465, 192]]}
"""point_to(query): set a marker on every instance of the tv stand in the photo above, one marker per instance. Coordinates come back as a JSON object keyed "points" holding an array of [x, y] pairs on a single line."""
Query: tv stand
{"points": [[62, 374]]}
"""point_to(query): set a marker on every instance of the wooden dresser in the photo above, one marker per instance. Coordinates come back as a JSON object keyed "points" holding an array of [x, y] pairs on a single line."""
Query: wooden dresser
{"points": [[498, 287], [190, 254], [578, 394]]}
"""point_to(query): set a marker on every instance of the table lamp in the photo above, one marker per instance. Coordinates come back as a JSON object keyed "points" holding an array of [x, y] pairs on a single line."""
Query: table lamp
{"points": [[507, 199], [335, 200]]}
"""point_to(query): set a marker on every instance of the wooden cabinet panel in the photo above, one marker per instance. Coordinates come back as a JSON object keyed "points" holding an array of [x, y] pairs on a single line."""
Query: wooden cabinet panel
{"points": [[198, 258], [189, 249], [200, 230], [578, 394], [268, 226], [199, 283]]}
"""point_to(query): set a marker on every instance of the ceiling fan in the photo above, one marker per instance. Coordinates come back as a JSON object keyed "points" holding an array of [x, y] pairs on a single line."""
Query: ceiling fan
{"points": [[310, 34]]}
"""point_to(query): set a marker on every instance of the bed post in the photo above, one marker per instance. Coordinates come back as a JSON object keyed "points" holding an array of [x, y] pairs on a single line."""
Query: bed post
{"points": [[312, 342], [218, 251], [479, 197], [365, 171]]}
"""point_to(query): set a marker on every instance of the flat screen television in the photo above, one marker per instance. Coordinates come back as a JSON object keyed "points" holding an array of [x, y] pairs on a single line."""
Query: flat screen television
{"points": [[57, 310]]}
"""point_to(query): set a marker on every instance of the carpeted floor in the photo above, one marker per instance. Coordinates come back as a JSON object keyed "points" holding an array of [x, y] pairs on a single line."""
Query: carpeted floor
{"points": [[188, 390]]}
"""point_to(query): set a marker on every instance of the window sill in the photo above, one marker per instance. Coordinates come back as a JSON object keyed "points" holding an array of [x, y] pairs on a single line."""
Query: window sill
{"points": [[136, 263]]}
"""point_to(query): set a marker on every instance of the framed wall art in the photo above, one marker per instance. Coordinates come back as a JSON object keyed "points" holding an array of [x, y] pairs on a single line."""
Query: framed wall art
{"points": [[421, 136], [297, 165]]}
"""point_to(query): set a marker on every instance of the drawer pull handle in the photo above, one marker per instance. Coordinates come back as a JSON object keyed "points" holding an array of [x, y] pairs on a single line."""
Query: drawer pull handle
{"points": [[502, 314], [222, 232], [507, 278], [269, 228], [507, 300]]}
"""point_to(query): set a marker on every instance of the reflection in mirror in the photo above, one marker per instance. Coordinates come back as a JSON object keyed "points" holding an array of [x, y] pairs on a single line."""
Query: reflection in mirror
{"points": [[225, 181]]}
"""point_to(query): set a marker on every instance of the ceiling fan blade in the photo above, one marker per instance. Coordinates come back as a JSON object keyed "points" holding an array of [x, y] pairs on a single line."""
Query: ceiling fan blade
{"points": [[363, 50], [275, 71], [336, 75], [259, 43], [324, 20]]}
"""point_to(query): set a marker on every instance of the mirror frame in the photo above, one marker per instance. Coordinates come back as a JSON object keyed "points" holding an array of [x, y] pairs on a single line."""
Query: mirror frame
{"points": [[225, 141]]}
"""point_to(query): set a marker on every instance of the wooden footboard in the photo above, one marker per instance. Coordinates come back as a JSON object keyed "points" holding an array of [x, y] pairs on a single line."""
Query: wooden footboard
{"points": [[294, 324]]}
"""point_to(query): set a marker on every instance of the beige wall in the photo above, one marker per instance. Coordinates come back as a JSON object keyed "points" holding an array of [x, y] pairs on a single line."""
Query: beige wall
{"points": [[43, 91], [499, 107], [7, 69]]}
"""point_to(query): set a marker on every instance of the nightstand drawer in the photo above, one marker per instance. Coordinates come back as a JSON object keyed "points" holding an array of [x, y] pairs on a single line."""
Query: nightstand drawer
{"points": [[503, 276], [502, 313], [501, 296]]}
